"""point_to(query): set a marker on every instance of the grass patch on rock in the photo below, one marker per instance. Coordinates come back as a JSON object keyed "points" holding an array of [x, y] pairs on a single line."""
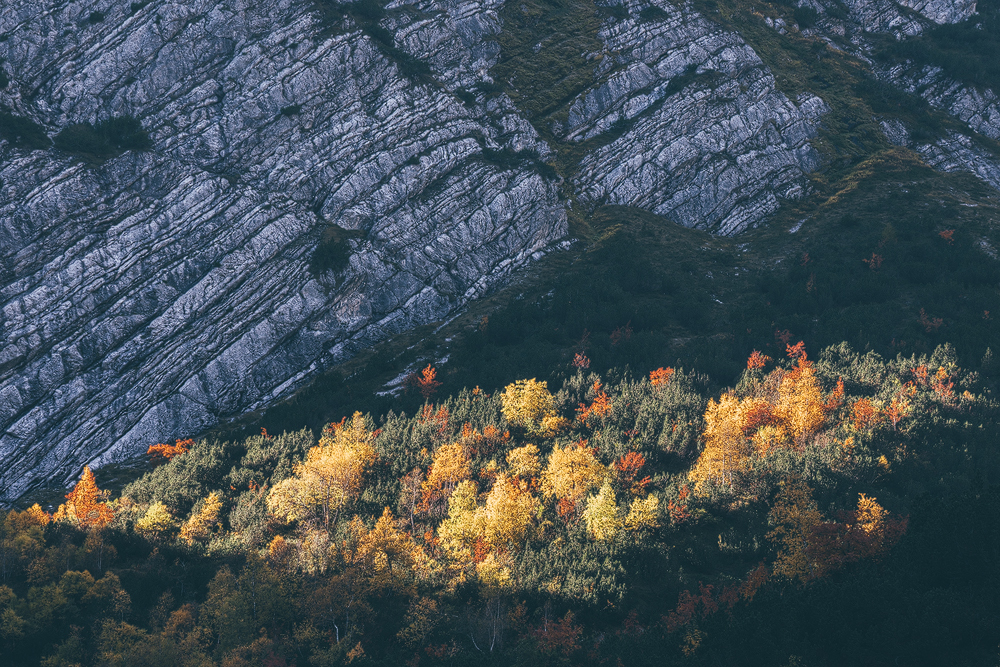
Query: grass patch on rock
{"points": [[105, 140], [548, 52], [23, 132], [334, 250]]}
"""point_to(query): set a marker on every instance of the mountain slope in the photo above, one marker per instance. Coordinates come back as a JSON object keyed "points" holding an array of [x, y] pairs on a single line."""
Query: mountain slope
{"points": [[319, 177]]}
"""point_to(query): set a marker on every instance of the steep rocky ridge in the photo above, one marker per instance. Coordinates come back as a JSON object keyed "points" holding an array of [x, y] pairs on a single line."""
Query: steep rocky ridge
{"points": [[862, 29], [679, 116], [153, 295], [942, 11], [899, 17], [729, 145], [150, 296]]}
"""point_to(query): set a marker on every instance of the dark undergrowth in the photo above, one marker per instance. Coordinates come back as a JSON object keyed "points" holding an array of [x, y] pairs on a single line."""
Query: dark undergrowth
{"points": [[105, 140], [23, 132], [968, 51]]}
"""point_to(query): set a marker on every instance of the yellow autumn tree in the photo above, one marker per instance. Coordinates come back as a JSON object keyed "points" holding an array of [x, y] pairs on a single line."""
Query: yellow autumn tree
{"points": [[800, 405], [450, 466], [458, 532], [795, 517], [494, 575], [874, 523], [157, 522], [572, 472], [385, 553], [528, 404], [330, 477], [604, 517], [725, 442], [33, 516], [201, 524], [786, 410], [506, 516], [523, 462], [643, 513], [601, 514], [499, 525]]}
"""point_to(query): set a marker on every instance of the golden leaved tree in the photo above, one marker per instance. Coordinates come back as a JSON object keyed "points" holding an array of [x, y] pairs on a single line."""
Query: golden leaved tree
{"points": [[572, 472], [528, 404], [605, 520], [157, 522], [725, 442], [458, 532], [450, 466], [523, 463], [200, 526], [811, 546], [330, 477], [800, 409], [785, 410], [507, 515], [601, 515], [500, 525], [385, 553]]}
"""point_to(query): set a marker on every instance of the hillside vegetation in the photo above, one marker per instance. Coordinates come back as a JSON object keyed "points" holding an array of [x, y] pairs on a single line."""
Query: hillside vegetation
{"points": [[678, 296], [640, 517], [659, 447]]}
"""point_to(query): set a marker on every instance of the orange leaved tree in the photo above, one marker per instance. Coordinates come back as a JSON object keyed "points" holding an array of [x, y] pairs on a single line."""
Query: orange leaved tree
{"points": [[161, 453], [86, 504], [784, 410], [426, 382], [811, 546], [661, 376]]}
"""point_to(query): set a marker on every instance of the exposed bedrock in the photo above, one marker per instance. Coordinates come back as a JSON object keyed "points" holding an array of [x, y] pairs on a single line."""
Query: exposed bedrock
{"points": [[155, 294], [977, 107], [694, 127]]}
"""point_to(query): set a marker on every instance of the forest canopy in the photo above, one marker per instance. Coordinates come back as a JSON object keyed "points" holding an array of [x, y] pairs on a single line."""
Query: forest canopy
{"points": [[640, 519]]}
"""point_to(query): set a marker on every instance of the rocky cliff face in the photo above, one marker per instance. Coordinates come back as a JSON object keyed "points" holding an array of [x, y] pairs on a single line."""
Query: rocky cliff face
{"points": [[151, 295], [154, 294], [977, 108], [727, 144], [900, 17], [942, 11]]}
